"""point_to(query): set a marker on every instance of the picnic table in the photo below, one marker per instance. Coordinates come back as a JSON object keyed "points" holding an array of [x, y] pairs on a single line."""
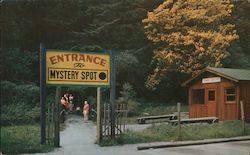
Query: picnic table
{"points": [[208, 120], [142, 120]]}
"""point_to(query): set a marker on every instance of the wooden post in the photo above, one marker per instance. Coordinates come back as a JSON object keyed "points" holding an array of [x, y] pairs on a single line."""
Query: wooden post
{"points": [[42, 93], [56, 115], [112, 95], [104, 119], [109, 122], [2, 25], [48, 124], [242, 116], [179, 120], [98, 119], [52, 122]]}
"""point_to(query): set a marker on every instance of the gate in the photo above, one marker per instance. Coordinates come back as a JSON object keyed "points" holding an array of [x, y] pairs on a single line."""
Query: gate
{"points": [[53, 117], [121, 114], [50, 124], [51, 62]]}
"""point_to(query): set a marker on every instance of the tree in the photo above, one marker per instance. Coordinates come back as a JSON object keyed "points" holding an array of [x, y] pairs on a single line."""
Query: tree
{"points": [[116, 25], [241, 18], [24, 25], [189, 35], [113, 24], [240, 50]]}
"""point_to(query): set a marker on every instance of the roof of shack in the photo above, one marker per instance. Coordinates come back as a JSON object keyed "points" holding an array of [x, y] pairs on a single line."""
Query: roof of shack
{"points": [[228, 73]]}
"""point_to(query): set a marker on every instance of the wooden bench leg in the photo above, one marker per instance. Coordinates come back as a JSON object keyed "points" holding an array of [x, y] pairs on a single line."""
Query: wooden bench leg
{"points": [[141, 121], [173, 118]]}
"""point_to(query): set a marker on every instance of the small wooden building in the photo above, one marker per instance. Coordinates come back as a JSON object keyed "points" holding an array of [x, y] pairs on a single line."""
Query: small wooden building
{"points": [[218, 92]]}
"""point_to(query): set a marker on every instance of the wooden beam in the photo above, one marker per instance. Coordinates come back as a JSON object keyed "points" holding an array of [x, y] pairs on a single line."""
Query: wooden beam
{"points": [[42, 93], [57, 117], [98, 119], [112, 95], [242, 116], [179, 120]]}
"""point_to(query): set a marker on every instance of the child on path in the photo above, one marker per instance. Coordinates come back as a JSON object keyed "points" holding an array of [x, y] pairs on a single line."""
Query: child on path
{"points": [[86, 111], [71, 104]]}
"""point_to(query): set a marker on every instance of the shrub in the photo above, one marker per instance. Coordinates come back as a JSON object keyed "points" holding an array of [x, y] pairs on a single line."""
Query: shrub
{"points": [[7, 92], [133, 107], [127, 92], [128, 97], [12, 93], [19, 103], [27, 93], [19, 113], [91, 100]]}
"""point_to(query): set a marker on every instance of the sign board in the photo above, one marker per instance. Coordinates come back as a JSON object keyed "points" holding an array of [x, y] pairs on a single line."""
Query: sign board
{"points": [[76, 68], [211, 80]]}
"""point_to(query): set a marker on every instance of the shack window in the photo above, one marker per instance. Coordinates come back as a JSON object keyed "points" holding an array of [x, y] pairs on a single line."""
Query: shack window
{"points": [[211, 95], [198, 96], [230, 94]]}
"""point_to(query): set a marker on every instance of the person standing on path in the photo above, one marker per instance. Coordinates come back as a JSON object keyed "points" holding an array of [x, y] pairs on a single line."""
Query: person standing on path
{"points": [[64, 103], [71, 104], [86, 111]]}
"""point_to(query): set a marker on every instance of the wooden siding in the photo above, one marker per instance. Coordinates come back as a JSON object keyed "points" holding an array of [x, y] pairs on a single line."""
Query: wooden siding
{"points": [[245, 97], [228, 110], [209, 108], [218, 108]]}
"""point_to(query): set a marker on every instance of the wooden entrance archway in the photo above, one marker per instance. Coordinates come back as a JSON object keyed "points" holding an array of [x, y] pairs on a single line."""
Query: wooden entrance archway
{"points": [[105, 77]]}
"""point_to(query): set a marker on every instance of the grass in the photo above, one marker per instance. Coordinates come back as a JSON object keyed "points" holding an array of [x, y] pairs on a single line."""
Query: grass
{"points": [[222, 130], [158, 108], [153, 108], [22, 139], [165, 132]]}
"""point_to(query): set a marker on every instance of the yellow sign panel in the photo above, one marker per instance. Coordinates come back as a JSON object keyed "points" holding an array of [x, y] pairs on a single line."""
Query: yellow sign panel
{"points": [[77, 68]]}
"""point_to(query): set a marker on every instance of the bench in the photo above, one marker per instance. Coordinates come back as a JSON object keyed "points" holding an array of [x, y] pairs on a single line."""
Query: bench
{"points": [[142, 120], [208, 120]]}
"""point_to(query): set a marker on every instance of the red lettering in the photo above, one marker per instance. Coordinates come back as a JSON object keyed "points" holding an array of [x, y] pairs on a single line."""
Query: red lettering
{"points": [[53, 60], [74, 57], [103, 62], [95, 60], [78, 57], [67, 56], [82, 58], [60, 58], [89, 58]]}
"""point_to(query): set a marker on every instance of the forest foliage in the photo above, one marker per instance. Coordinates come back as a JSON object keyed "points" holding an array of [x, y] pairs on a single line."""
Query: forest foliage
{"points": [[157, 43], [189, 35]]}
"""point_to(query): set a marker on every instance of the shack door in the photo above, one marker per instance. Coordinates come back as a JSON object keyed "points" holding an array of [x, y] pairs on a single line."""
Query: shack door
{"points": [[210, 98]]}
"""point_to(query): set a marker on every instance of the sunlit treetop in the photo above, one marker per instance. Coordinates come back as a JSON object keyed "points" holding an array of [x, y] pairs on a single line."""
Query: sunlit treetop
{"points": [[189, 35]]}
